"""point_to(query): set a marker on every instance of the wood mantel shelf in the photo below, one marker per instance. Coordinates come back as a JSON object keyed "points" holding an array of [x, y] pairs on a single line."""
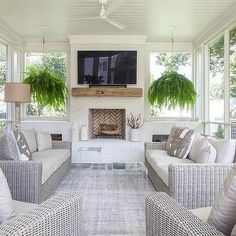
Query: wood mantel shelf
{"points": [[107, 92]]}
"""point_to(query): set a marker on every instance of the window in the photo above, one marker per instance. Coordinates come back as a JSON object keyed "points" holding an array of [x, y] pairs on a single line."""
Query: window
{"points": [[57, 61], [216, 87], [232, 64], [159, 63], [3, 77]]}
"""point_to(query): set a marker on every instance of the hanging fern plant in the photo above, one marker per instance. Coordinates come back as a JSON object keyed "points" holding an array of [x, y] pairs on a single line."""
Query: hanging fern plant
{"points": [[47, 88], [172, 90]]}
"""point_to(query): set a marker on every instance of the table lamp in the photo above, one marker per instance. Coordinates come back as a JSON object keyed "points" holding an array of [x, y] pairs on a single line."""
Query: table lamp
{"points": [[17, 93]]}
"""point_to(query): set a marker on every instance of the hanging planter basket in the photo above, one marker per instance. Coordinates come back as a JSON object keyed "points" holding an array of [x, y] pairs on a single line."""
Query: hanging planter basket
{"points": [[47, 88], [172, 90]]}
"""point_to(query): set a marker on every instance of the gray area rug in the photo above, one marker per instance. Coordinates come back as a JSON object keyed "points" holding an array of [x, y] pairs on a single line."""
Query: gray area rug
{"points": [[113, 201]]}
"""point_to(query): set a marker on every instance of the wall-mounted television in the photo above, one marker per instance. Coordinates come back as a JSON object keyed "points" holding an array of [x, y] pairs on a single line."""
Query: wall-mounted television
{"points": [[107, 67]]}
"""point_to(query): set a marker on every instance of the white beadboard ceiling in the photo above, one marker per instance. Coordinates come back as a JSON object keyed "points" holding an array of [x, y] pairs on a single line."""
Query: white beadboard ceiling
{"points": [[153, 18]]}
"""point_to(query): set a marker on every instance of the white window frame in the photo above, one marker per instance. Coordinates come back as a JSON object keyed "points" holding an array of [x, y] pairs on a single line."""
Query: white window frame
{"points": [[36, 118], [227, 122]]}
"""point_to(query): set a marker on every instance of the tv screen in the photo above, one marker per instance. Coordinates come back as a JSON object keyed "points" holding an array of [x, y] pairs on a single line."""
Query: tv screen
{"points": [[107, 67]]}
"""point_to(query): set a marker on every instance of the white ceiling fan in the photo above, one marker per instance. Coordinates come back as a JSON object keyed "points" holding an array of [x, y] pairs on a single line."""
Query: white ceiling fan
{"points": [[105, 12]]}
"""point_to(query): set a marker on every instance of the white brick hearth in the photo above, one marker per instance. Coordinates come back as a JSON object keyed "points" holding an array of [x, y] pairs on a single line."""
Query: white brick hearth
{"points": [[112, 150]]}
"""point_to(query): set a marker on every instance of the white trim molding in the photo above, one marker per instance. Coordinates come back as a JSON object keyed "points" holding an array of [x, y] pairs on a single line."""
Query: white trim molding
{"points": [[107, 39]]}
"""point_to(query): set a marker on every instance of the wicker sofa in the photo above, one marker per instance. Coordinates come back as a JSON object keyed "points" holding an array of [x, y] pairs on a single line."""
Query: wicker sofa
{"points": [[166, 217], [34, 181], [58, 216], [191, 184]]}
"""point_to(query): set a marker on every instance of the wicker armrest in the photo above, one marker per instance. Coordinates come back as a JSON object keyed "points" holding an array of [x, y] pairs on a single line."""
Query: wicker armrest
{"points": [[58, 216], [155, 145], [24, 179], [166, 217], [61, 145], [196, 185]]}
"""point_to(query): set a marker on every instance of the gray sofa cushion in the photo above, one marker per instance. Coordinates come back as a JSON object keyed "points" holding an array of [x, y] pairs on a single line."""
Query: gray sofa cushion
{"points": [[51, 160], [160, 161]]}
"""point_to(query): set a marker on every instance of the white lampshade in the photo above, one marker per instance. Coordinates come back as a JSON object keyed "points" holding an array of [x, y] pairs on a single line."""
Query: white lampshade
{"points": [[17, 92]]}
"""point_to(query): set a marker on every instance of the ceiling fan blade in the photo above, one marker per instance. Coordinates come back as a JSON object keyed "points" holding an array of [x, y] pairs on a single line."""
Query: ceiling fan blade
{"points": [[84, 18], [115, 23], [115, 4]]}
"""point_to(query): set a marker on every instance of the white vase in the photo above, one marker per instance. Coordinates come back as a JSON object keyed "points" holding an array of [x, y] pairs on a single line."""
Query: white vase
{"points": [[134, 135], [84, 133]]}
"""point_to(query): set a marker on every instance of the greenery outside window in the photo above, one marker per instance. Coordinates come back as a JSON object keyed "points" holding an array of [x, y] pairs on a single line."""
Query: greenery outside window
{"points": [[3, 77], [159, 63], [57, 62]]}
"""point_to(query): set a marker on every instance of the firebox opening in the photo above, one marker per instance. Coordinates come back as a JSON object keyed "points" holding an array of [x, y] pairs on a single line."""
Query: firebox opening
{"points": [[107, 123]]}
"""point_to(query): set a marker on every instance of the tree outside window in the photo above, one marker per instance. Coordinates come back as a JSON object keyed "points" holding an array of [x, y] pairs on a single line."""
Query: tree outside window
{"points": [[57, 62], [3, 69], [159, 63]]}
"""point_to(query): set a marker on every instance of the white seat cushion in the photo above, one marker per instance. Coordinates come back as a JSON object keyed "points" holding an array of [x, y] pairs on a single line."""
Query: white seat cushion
{"points": [[202, 213], [160, 161], [22, 207], [51, 160]]}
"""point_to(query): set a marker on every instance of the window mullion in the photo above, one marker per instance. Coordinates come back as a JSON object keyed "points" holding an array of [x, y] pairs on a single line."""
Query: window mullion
{"points": [[205, 75], [226, 83]]}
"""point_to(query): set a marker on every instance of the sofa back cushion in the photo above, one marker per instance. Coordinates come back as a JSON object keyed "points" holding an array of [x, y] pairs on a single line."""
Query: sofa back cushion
{"points": [[206, 153], [22, 145], [223, 213], [30, 137], [44, 140], [6, 206], [8, 147], [198, 142], [181, 142], [225, 149]]}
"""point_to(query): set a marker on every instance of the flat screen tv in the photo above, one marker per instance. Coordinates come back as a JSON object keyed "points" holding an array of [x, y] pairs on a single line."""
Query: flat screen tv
{"points": [[107, 67]]}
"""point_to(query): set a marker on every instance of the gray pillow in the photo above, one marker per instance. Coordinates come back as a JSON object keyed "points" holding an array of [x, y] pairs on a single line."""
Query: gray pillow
{"points": [[22, 145], [223, 213], [181, 142], [8, 147]]}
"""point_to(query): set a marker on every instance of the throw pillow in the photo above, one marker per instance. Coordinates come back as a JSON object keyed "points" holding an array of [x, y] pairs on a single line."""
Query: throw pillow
{"points": [[223, 213], [170, 137], [22, 145], [198, 142], [44, 140], [206, 153], [225, 150], [181, 142], [30, 139], [8, 147], [6, 207]]}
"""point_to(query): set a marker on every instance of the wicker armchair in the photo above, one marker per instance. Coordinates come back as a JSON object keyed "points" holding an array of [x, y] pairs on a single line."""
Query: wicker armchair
{"points": [[58, 216], [193, 185], [166, 217], [25, 177]]}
